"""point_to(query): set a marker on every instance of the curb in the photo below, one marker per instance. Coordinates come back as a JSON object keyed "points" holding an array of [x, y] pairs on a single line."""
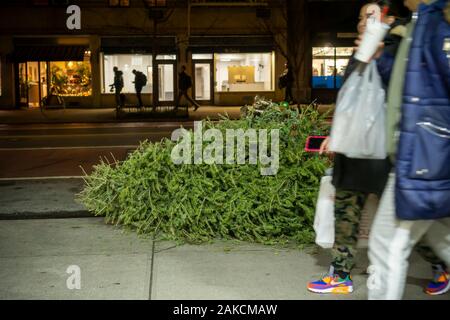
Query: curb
{"points": [[46, 215]]}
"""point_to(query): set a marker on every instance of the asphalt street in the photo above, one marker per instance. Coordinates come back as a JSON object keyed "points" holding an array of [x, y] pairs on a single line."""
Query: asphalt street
{"points": [[58, 150]]}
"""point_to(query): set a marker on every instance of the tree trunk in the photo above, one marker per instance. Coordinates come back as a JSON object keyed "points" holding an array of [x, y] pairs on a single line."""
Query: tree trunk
{"points": [[299, 48]]}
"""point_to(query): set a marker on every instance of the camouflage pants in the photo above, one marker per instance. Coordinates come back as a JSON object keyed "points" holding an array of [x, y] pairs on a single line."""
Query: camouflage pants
{"points": [[348, 210]]}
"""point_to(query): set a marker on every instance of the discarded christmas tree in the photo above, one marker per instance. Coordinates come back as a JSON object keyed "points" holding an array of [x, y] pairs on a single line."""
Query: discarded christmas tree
{"points": [[203, 202]]}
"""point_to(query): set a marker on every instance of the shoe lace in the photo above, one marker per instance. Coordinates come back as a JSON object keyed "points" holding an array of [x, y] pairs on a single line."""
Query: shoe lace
{"points": [[327, 278]]}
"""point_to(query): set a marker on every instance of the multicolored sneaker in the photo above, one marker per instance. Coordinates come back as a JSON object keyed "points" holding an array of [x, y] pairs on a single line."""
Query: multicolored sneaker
{"points": [[440, 283], [332, 284]]}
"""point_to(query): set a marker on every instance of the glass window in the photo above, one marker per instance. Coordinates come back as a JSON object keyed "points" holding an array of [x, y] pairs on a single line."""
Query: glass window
{"points": [[202, 56], [323, 51], [344, 51], [202, 76], [71, 78], [166, 82], [127, 63], [328, 66], [244, 72], [166, 57]]}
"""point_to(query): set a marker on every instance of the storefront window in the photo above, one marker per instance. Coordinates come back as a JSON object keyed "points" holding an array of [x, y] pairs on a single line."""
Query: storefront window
{"points": [[244, 72], [202, 56], [71, 78], [166, 57], [328, 65], [127, 63]]}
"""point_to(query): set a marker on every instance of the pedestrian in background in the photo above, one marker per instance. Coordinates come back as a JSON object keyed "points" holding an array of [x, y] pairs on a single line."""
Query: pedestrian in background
{"points": [[117, 86], [184, 84], [286, 81], [140, 80]]}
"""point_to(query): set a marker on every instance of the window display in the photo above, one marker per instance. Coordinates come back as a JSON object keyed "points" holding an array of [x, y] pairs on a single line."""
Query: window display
{"points": [[127, 63], [328, 66], [244, 72], [71, 78]]}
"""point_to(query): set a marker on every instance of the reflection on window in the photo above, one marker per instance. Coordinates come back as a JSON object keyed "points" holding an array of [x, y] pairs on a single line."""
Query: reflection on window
{"points": [[202, 56], [323, 51], [166, 57], [127, 63], [71, 78], [244, 72], [329, 66]]}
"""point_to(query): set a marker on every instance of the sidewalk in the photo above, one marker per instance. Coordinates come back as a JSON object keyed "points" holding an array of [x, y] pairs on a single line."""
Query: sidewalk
{"points": [[115, 264], [72, 115], [50, 198], [35, 254], [99, 115]]}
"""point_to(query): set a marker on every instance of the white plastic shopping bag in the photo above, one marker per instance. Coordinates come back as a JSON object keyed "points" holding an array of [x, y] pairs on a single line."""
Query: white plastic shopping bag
{"points": [[324, 216], [358, 129]]}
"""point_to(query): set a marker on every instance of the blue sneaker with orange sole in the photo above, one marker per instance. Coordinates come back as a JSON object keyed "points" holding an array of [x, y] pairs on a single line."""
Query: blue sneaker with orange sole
{"points": [[332, 283], [440, 283]]}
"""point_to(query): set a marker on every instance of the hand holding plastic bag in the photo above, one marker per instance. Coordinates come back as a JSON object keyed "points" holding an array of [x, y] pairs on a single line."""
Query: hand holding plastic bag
{"points": [[358, 129]]}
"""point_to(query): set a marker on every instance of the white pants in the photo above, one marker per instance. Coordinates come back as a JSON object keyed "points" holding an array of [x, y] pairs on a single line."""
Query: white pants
{"points": [[390, 244]]}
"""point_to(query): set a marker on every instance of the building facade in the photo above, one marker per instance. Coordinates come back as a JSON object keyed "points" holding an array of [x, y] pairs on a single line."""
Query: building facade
{"points": [[233, 50]]}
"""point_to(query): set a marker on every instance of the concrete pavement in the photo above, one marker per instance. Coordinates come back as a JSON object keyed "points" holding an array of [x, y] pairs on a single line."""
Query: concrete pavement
{"points": [[115, 264], [50, 198]]}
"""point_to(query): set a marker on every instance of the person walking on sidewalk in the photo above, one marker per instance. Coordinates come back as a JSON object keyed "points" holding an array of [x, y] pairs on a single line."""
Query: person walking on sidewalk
{"points": [[354, 180], [184, 84], [140, 80], [416, 201], [286, 81], [117, 86]]}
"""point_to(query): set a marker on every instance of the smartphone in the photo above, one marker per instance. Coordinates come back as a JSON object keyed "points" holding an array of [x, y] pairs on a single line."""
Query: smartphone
{"points": [[313, 143]]}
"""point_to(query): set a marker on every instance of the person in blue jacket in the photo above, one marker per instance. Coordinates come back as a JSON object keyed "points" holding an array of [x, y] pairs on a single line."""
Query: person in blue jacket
{"points": [[416, 200]]}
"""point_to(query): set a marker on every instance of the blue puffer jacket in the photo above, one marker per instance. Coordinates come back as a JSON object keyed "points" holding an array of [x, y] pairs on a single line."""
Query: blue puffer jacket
{"points": [[423, 159]]}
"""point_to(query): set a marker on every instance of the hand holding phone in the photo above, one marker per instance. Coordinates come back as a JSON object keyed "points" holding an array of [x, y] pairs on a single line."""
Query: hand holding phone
{"points": [[314, 143], [324, 145]]}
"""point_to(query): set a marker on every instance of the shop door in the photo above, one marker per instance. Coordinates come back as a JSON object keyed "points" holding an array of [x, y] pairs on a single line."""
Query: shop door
{"points": [[33, 83], [203, 82], [23, 87], [165, 86], [43, 84]]}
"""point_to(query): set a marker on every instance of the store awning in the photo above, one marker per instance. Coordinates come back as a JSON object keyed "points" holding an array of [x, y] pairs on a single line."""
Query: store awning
{"points": [[137, 44], [239, 43], [49, 53]]}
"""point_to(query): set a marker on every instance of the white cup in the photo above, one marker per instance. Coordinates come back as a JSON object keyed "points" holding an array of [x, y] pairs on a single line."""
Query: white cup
{"points": [[374, 34]]}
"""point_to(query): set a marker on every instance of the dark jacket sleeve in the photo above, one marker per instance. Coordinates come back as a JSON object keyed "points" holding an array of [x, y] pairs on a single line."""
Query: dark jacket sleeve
{"points": [[385, 63]]}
